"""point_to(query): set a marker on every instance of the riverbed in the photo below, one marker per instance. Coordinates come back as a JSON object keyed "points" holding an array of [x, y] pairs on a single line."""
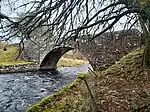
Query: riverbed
{"points": [[18, 91]]}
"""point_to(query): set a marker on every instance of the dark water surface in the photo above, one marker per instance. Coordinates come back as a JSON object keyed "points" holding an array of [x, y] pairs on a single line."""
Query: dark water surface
{"points": [[18, 91]]}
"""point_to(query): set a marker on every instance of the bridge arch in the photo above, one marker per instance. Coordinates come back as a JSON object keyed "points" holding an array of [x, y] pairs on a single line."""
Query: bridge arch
{"points": [[49, 63], [101, 52]]}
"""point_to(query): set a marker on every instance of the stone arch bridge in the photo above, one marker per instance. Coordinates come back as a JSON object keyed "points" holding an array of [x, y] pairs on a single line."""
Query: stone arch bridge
{"points": [[101, 53], [51, 59]]}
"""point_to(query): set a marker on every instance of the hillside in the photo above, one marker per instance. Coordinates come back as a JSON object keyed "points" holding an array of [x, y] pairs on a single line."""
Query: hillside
{"points": [[8, 56], [123, 87]]}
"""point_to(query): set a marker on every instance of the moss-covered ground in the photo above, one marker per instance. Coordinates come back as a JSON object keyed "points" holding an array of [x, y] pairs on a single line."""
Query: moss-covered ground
{"points": [[72, 98], [123, 87]]}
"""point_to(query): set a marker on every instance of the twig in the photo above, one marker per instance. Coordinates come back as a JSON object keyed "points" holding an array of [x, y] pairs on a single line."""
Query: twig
{"points": [[90, 92]]}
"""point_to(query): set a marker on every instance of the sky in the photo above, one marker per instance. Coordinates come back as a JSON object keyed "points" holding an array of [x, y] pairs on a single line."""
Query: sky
{"points": [[7, 9]]}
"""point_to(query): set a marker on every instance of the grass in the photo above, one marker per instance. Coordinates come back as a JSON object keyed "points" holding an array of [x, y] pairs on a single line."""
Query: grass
{"points": [[123, 87], [8, 57], [129, 66], [2, 64], [71, 58], [65, 62], [74, 55]]}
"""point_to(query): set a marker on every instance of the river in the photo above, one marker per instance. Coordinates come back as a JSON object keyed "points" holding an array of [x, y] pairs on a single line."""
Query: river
{"points": [[18, 91]]}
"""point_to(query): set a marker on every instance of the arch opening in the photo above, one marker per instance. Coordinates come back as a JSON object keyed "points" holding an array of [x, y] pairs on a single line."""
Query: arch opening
{"points": [[72, 58], [49, 63]]}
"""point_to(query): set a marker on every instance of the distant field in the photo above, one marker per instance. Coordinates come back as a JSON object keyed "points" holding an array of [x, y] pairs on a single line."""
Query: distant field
{"points": [[8, 57], [74, 55], [63, 62], [72, 58]]}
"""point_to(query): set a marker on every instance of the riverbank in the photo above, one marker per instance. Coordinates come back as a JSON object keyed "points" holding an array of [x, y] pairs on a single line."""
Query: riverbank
{"points": [[123, 87], [16, 68], [32, 67]]}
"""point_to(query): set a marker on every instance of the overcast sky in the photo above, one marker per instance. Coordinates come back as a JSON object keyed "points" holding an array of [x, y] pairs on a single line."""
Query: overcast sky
{"points": [[8, 9]]}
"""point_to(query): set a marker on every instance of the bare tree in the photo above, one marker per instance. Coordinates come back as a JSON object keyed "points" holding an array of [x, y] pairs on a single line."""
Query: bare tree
{"points": [[68, 20]]}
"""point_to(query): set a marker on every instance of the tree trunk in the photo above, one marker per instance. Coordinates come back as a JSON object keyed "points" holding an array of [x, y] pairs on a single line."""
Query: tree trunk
{"points": [[146, 58]]}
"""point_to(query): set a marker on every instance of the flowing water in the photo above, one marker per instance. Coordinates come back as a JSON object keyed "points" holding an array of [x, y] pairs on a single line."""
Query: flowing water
{"points": [[18, 91]]}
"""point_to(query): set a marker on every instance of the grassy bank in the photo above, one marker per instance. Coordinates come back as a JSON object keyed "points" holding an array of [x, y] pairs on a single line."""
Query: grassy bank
{"points": [[123, 87], [8, 57]]}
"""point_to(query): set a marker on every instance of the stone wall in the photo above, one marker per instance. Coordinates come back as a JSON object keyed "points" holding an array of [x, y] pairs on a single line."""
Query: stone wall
{"points": [[19, 68]]}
